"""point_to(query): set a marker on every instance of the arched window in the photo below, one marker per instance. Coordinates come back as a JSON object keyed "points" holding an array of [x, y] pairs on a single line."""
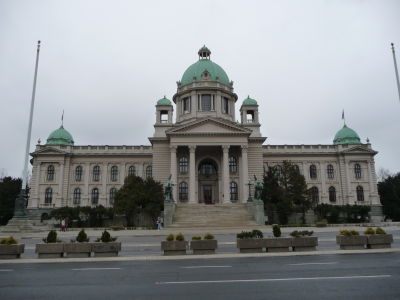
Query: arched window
{"points": [[77, 196], [296, 168], [113, 192], [233, 166], [149, 172], [132, 171], [183, 191], [313, 172], [95, 196], [207, 167], [233, 191], [330, 172], [357, 171], [48, 196], [96, 173], [50, 173], [78, 173], [314, 194], [183, 164], [360, 193], [332, 194], [114, 173]]}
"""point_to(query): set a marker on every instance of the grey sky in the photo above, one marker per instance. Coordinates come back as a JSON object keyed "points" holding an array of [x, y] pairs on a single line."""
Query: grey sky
{"points": [[106, 63]]}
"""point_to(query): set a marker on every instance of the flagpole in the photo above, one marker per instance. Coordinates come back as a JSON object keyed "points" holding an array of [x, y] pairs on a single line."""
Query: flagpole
{"points": [[395, 70], [20, 203]]}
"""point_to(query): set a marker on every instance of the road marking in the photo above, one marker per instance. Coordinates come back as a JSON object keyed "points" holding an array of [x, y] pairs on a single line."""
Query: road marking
{"points": [[198, 267], [274, 279], [95, 269], [304, 264], [6, 270]]}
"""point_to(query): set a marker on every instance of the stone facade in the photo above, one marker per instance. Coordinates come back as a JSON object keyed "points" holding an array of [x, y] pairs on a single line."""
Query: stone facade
{"points": [[210, 156]]}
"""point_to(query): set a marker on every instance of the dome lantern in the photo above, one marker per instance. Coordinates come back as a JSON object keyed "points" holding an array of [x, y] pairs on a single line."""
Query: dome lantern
{"points": [[204, 53]]}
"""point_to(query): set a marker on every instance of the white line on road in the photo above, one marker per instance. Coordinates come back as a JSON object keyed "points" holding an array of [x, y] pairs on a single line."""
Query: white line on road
{"points": [[274, 279], [198, 267], [95, 269], [6, 270], [304, 264]]}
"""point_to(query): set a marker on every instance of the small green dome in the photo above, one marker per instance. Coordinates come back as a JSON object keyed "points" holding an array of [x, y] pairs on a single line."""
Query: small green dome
{"points": [[164, 101], [346, 135], [249, 101], [60, 137], [196, 70]]}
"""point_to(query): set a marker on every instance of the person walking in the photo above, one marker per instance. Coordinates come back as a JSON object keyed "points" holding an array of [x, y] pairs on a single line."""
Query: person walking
{"points": [[63, 225], [159, 227]]}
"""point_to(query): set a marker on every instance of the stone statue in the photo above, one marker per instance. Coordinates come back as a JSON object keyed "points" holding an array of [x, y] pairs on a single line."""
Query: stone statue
{"points": [[168, 197], [258, 187]]}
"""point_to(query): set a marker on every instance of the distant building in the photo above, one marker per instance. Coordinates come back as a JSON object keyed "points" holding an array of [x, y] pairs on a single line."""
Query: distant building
{"points": [[210, 156]]}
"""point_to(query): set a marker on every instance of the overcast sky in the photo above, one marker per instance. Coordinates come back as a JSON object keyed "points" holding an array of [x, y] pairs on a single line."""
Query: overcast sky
{"points": [[106, 63]]}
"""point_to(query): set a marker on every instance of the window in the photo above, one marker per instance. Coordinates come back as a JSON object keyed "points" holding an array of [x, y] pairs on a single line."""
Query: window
{"points": [[96, 173], [225, 105], [332, 194], [48, 196], [207, 168], [113, 192], [250, 116], [233, 164], [233, 191], [313, 172], [330, 172], [78, 173], [114, 173], [186, 105], [132, 171], [149, 172], [206, 103], [50, 173], [183, 164], [296, 169], [164, 116], [183, 191], [77, 196], [357, 171], [314, 194], [360, 193], [95, 196]]}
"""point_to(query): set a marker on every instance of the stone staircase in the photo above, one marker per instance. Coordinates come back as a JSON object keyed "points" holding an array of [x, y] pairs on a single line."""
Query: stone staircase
{"points": [[214, 216]]}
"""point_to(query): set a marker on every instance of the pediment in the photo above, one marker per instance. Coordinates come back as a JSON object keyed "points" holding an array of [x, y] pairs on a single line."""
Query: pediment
{"points": [[209, 126], [359, 149], [49, 151]]}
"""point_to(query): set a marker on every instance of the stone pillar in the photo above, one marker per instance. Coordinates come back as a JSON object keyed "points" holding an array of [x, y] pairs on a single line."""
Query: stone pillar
{"points": [[245, 175], [323, 182], [192, 175], [86, 200], [225, 173], [103, 190], [174, 173], [60, 186]]}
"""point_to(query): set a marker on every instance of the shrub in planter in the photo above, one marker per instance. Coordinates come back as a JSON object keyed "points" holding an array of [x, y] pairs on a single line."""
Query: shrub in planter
{"points": [[196, 238], [82, 237], [177, 247], [80, 249], [369, 230], [208, 236], [276, 230], [250, 241], [106, 246], [52, 247], [205, 246], [9, 248], [351, 240], [380, 231], [303, 240], [379, 239]]}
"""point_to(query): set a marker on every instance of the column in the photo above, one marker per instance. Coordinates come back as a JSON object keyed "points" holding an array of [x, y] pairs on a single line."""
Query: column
{"points": [[323, 181], [192, 175], [174, 172], [103, 190], [60, 185], [245, 175], [86, 192], [225, 173]]}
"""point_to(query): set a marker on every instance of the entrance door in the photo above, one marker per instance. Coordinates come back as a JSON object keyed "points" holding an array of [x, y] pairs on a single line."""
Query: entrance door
{"points": [[207, 194]]}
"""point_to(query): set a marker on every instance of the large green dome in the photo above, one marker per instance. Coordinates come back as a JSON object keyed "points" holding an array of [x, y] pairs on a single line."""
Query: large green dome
{"points": [[60, 137], [346, 135], [195, 71]]}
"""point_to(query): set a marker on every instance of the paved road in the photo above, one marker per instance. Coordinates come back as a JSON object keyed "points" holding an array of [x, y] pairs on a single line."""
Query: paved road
{"points": [[148, 243], [350, 276]]}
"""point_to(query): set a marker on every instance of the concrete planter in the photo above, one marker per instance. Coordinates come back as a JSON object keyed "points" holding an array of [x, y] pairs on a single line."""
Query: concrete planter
{"points": [[250, 245], [278, 244], [11, 251], [78, 249], [203, 246], [106, 249], [378, 241], [174, 247], [351, 242], [50, 250], [304, 243]]}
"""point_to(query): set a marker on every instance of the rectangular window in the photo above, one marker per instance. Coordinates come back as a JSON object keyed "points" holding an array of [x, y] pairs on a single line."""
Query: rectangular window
{"points": [[198, 102], [225, 105], [206, 102], [186, 105]]}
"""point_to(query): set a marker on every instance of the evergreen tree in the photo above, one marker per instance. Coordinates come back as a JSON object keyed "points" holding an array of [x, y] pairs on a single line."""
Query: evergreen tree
{"points": [[389, 191], [9, 190]]}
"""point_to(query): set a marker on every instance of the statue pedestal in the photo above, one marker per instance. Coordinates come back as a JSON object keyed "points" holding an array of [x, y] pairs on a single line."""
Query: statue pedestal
{"points": [[256, 208], [19, 224], [169, 212]]}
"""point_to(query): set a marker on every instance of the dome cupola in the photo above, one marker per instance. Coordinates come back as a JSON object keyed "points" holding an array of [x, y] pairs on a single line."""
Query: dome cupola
{"points": [[346, 135], [164, 101], [60, 137], [249, 101]]}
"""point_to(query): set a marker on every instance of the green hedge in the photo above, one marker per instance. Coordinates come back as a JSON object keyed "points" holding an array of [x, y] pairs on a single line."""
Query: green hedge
{"points": [[343, 213]]}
